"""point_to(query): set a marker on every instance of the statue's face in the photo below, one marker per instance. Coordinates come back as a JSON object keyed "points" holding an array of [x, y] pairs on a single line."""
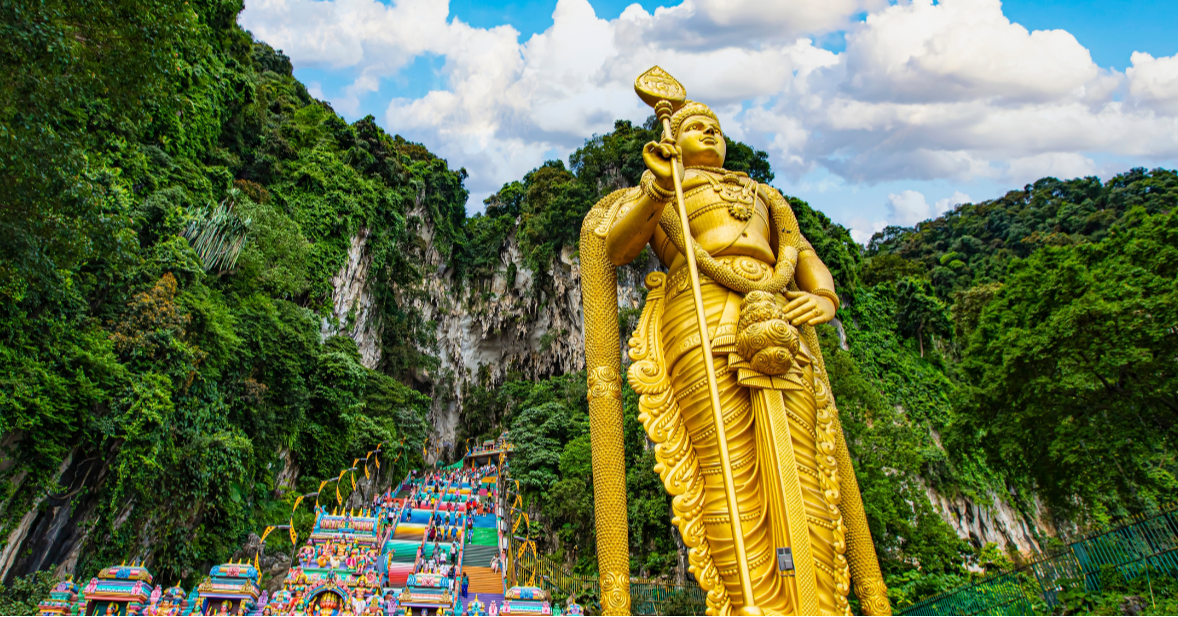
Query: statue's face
{"points": [[702, 142]]}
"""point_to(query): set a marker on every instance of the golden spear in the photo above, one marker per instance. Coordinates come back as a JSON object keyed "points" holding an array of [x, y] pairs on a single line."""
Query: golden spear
{"points": [[665, 94]]}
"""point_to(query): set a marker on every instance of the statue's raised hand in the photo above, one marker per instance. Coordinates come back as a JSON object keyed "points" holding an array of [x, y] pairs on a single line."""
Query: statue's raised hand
{"points": [[657, 156]]}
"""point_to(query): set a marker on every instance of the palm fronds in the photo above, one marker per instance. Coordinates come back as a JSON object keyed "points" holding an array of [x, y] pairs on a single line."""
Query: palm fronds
{"points": [[217, 233]]}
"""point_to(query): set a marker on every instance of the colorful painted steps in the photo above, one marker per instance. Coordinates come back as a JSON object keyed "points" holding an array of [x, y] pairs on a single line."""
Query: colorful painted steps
{"points": [[404, 552], [485, 521], [483, 537], [399, 572], [483, 580], [409, 532], [478, 556], [427, 551]]}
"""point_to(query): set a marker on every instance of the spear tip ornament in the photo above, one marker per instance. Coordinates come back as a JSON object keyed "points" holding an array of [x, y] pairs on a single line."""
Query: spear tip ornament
{"points": [[658, 85]]}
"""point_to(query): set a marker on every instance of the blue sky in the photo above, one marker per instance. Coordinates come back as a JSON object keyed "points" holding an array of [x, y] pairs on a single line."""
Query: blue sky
{"points": [[1111, 29], [891, 112]]}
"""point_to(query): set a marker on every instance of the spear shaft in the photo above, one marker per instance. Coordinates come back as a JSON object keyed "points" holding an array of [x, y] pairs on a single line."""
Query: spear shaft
{"points": [[663, 109]]}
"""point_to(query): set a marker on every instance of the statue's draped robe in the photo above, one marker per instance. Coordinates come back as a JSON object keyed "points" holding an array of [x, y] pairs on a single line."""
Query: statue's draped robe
{"points": [[781, 429]]}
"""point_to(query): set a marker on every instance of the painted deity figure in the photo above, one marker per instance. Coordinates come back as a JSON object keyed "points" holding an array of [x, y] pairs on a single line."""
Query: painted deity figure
{"points": [[763, 289], [321, 559], [337, 557]]}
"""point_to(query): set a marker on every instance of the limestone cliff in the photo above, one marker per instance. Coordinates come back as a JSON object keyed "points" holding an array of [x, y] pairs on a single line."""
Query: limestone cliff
{"points": [[484, 330], [996, 521]]}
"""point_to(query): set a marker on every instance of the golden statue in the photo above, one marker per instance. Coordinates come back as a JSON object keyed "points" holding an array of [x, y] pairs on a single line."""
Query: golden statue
{"points": [[747, 436]]}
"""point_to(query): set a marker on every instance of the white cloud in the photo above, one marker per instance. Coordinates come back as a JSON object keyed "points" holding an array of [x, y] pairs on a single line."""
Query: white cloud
{"points": [[961, 50], [348, 33], [1154, 82], [315, 89], [954, 90], [948, 203], [924, 91], [862, 229], [704, 25], [907, 208], [1057, 164]]}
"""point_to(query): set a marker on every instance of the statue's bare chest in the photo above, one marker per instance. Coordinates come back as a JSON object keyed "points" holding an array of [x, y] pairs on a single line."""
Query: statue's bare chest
{"points": [[727, 217]]}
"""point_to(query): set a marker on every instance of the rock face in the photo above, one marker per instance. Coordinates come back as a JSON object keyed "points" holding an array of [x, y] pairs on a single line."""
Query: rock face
{"points": [[486, 329], [483, 330], [997, 521], [54, 530], [354, 313]]}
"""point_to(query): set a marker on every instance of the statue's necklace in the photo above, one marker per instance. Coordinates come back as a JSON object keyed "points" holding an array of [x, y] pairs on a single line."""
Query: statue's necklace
{"points": [[739, 191]]}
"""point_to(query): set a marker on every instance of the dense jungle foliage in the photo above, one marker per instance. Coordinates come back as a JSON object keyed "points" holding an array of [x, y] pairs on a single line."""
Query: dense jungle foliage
{"points": [[174, 205], [1060, 325]]}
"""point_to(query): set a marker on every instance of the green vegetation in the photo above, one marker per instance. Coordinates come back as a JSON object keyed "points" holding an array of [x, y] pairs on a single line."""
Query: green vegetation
{"points": [[1072, 381], [976, 243], [1061, 303], [175, 207], [1044, 366], [25, 593], [1146, 594]]}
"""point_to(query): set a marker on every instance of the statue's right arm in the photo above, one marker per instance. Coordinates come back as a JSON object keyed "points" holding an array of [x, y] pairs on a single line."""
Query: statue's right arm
{"points": [[632, 228], [636, 221]]}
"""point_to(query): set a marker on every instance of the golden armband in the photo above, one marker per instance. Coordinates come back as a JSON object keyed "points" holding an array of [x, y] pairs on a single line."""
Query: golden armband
{"points": [[652, 190], [829, 295]]}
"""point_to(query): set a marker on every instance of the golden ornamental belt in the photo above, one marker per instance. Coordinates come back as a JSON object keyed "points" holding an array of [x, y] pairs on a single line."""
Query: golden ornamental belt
{"points": [[750, 269]]}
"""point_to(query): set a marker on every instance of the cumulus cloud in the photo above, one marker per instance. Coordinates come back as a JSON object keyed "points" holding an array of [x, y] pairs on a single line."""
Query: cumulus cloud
{"points": [[910, 207], [952, 90], [1059, 164], [863, 228], [961, 50], [907, 208], [1154, 82], [948, 203]]}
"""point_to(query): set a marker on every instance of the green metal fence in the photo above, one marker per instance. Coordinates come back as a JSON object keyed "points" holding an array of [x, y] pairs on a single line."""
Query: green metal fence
{"points": [[1147, 544]]}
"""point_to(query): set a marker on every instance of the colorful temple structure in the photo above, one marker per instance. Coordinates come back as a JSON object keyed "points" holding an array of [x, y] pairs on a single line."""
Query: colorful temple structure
{"points": [[526, 601], [487, 452], [117, 590], [170, 601], [429, 546], [229, 589], [61, 600]]}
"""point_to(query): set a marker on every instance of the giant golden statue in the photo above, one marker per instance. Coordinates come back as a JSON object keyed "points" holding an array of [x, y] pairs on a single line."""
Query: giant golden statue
{"points": [[747, 436]]}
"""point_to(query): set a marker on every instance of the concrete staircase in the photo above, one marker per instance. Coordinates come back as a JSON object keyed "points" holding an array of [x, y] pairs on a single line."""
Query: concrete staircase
{"points": [[399, 572], [483, 580], [478, 556], [405, 552]]}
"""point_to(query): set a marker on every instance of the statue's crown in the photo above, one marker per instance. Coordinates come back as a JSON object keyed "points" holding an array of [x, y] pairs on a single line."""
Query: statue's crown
{"points": [[690, 108]]}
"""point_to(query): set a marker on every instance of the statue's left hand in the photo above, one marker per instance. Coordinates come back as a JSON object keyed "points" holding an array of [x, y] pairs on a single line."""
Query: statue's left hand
{"points": [[807, 309]]}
